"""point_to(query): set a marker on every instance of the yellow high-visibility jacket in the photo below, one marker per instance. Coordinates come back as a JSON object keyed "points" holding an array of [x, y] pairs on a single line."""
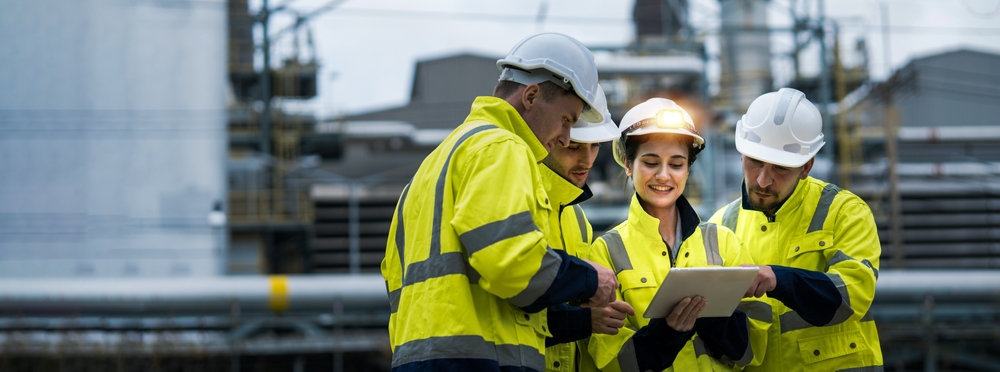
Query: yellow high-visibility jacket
{"points": [[636, 251], [823, 246], [468, 267], [575, 235]]}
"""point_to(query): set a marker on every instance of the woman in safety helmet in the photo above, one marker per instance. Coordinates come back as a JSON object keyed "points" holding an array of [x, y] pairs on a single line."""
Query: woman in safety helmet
{"points": [[657, 146]]}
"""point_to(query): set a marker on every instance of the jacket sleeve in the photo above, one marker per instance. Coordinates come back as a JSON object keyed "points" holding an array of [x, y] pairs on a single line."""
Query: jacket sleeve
{"points": [[567, 323], [499, 206], [844, 290], [653, 347]]}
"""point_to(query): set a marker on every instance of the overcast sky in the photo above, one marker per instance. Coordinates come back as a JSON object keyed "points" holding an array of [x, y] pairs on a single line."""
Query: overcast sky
{"points": [[368, 49]]}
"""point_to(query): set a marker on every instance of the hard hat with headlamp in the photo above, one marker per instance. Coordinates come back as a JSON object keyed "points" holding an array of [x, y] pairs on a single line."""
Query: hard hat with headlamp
{"points": [[560, 59], [781, 128], [606, 131], [656, 115]]}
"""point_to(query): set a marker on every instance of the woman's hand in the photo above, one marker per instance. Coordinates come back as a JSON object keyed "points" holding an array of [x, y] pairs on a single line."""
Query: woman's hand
{"points": [[686, 313]]}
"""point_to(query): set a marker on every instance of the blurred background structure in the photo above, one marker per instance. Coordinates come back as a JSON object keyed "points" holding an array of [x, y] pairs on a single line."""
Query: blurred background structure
{"points": [[174, 198]]}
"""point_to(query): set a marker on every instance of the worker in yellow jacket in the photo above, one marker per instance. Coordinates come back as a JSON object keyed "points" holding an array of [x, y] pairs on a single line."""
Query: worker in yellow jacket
{"points": [[469, 268], [818, 243], [657, 146], [565, 175]]}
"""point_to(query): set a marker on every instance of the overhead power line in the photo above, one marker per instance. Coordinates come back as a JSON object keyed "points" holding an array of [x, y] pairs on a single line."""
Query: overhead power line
{"points": [[424, 15]]}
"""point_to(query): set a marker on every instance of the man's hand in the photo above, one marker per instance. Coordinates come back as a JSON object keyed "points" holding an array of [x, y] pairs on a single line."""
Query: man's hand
{"points": [[764, 281], [607, 283], [609, 319], [686, 313]]}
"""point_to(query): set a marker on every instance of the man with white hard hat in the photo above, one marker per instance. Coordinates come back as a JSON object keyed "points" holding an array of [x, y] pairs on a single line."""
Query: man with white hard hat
{"points": [[469, 263], [565, 175], [817, 244]]}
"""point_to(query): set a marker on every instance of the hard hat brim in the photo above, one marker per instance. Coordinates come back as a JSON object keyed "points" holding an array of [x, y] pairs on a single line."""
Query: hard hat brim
{"points": [[652, 129], [773, 156], [595, 134]]}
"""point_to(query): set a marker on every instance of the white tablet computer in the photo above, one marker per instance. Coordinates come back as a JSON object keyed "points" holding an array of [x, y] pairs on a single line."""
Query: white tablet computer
{"points": [[722, 288]]}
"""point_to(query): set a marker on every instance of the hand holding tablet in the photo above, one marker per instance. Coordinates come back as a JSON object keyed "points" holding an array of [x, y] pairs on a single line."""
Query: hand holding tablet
{"points": [[721, 287]]}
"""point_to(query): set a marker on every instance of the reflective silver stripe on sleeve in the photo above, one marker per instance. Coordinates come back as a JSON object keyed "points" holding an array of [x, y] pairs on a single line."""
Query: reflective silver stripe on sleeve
{"points": [[472, 273], [710, 236], [699, 346], [791, 321], [581, 219], [747, 354], [435, 267], [845, 311], [868, 316], [823, 207], [732, 214], [486, 235], [400, 234], [837, 258], [467, 347], [616, 248], [870, 266], [541, 281], [394, 299], [756, 310], [627, 361], [863, 369]]}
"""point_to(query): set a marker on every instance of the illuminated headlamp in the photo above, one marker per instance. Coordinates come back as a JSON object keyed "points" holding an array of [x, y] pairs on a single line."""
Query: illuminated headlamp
{"points": [[670, 119], [664, 119]]}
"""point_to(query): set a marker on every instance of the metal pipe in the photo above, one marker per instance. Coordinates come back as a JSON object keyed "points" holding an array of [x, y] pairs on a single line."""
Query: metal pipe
{"points": [[109, 296], [944, 285]]}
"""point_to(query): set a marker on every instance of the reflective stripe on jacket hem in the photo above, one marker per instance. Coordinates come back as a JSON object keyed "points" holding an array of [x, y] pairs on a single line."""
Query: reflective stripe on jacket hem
{"points": [[469, 347], [863, 369]]}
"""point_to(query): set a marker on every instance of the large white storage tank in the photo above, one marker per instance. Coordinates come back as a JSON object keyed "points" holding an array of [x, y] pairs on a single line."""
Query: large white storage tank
{"points": [[112, 137]]}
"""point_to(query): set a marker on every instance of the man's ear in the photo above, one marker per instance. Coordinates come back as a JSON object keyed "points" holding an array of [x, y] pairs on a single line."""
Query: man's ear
{"points": [[808, 166], [530, 96]]}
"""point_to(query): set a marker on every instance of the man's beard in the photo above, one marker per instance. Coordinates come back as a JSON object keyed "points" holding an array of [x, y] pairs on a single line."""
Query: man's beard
{"points": [[761, 205]]}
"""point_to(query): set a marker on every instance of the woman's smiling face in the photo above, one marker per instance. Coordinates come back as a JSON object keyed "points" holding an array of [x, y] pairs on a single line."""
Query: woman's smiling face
{"points": [[659, 171]]}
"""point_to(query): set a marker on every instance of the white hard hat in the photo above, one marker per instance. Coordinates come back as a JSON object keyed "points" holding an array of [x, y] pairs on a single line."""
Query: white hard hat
{"points": [[781, 128], [557, 58], [656, 115], [602, 132]]}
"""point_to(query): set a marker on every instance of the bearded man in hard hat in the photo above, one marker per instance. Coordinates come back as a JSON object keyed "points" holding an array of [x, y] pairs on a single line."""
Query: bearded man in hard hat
{"points": [[817, 244], [469, 266], [565, 176]]}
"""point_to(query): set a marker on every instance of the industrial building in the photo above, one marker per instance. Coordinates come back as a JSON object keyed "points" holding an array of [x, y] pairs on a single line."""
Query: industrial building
{"points": [[183, 215]]}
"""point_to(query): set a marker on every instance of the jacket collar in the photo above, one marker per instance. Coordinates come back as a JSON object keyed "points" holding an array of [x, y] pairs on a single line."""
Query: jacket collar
{"points": [[649, 226], [789, 206], [562, 192], [499, 112]]}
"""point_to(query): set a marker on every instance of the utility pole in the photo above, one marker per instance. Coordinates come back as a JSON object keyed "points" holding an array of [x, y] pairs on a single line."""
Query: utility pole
{"points": [[891, 127], [264, 79], [824, 85], [895, 199]]}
